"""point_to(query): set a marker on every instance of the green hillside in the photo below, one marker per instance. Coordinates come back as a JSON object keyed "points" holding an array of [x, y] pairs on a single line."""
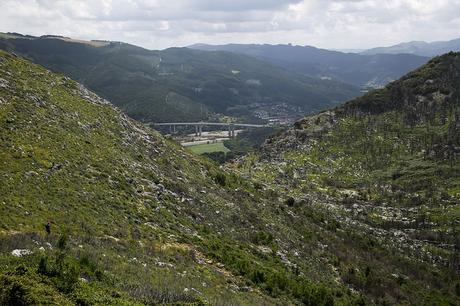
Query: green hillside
{"points": [[179, 84], [135, 219], [384, 167]]}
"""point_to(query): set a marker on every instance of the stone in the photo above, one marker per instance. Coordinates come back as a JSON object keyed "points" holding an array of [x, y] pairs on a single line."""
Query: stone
{"points": [[4, 83], [21, 252], [31, 173]]}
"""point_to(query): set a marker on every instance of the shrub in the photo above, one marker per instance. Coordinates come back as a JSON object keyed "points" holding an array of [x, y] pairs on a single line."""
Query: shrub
{"points": [[257, 277], [262, 237], [62, 242], [44, 266], [290, 201], [67, 277], [27, 289], [220, 179]]}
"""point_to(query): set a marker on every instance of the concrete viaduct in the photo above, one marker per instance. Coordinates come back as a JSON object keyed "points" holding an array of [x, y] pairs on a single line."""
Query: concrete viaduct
{"points": [[199, 126]]}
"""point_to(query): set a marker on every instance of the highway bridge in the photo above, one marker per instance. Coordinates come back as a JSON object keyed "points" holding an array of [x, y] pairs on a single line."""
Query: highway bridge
{"points": [[199, 126]]}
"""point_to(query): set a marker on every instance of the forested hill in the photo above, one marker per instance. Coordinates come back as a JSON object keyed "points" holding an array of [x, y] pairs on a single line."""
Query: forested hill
{"points": [[178, 84], [386, 166], [428, 94], [410, 128], [406, 133], [360, 70]]}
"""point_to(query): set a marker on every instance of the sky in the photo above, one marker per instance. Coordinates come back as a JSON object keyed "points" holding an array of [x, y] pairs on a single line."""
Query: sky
{"points": [[158, 24]]}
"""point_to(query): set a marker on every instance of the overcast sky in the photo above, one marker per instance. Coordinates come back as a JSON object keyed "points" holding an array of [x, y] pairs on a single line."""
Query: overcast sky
{"points": [[157, 24]]}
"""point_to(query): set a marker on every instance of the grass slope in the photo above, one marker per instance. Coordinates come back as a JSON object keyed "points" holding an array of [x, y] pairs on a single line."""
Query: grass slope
{"points": [[209, 148], [135, 218], [138, 220]]}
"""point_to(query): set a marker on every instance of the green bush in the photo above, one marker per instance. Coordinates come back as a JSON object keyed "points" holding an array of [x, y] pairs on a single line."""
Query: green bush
{"points": [[220, 179], [62, 242], [269, 273], [27, 288], [290, 201], [262, 237]]}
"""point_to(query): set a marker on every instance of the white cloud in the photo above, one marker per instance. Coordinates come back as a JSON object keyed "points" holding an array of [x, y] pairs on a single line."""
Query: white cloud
{"points": [[159, 23]]}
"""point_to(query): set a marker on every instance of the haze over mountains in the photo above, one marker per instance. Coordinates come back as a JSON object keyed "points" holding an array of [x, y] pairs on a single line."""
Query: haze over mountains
{"points": [[421, 48]]}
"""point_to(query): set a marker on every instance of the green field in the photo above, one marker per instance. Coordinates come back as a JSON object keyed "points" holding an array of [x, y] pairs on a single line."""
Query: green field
{"points": [[209, 148]]}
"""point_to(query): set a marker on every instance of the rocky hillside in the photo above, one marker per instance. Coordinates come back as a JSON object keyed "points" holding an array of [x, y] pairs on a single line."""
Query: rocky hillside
{"points": [[179, 84], [137, 220], [384, 167], [134, 218]]}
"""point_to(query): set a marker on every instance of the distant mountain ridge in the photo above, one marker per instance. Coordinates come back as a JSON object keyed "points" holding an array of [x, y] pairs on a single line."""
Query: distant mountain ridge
{"points": [[420, 48], [357, 69], [178, 84]]}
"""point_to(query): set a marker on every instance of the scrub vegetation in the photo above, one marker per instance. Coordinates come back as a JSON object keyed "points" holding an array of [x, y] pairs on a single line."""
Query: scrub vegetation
{"points": [[354, 206]]}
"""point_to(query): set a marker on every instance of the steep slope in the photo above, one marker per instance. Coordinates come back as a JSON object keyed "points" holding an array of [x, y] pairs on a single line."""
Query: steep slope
{"points": [[359, 70], [421, 48], [178, 84], [134, 218], [138, 220], [384, 167]]}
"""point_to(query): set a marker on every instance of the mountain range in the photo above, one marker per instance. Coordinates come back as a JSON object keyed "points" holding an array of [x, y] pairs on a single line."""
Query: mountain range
{"points": [[420, 48], [179, 84], [365, 68], [363, 71], [211, 82]]}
